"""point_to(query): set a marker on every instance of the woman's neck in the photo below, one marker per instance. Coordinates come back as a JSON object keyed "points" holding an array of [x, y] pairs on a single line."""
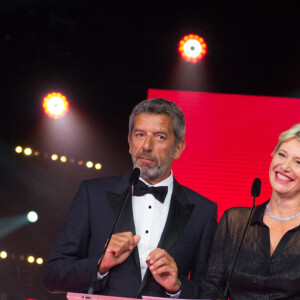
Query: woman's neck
{"points": [[283, 206]]}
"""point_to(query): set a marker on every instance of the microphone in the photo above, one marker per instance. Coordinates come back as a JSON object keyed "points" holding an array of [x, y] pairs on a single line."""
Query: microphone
{"points": [[133, 179], [255, 192]]}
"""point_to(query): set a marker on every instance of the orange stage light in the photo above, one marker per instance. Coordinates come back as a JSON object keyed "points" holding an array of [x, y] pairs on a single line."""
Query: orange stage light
{"points": [[55, 105], [192, 48]]}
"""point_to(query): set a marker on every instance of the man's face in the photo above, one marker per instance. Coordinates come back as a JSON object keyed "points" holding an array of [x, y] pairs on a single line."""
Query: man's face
{"points": [[152, 146]]}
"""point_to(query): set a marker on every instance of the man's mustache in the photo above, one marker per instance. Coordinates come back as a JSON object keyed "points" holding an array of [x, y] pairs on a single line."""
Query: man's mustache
{"points": [[146, 155]]}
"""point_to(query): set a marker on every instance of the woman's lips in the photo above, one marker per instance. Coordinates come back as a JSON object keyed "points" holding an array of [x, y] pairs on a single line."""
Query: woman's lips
{"points": [[283, 177]]}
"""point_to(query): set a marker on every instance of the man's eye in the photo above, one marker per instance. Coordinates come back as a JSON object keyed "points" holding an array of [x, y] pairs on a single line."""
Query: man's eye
{"points": [[161, 137]]}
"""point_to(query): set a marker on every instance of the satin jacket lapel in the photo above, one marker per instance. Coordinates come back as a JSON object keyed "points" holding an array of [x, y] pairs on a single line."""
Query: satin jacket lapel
{"points": [[126, 222], [179, 212]]}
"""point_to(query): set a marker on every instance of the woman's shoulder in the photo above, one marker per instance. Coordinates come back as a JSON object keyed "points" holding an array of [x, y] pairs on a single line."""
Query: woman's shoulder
{"points": [[237, 211], [236, 215], [241, 214]]}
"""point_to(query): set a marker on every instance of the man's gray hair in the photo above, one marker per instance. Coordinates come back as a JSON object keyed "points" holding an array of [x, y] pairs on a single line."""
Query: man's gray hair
{"points": [[161, 106]]}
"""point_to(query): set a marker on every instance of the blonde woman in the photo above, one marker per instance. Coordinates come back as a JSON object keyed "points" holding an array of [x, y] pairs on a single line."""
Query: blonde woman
{"points": [[268, 265]]}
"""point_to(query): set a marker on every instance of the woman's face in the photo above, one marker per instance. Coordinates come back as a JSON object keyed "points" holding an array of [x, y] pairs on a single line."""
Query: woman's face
{"points": [[284, 171]]}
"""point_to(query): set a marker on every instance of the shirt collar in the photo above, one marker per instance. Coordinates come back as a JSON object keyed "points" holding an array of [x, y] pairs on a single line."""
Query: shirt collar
{"points": [[167, 182], [258, 214]]}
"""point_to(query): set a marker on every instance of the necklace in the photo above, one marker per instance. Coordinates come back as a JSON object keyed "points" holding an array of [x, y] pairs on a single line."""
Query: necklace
{"points": [[281, 219]]}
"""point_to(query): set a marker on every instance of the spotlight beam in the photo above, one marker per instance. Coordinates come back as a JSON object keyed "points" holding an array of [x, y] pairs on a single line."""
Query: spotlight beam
{"points": [[11, 224]]}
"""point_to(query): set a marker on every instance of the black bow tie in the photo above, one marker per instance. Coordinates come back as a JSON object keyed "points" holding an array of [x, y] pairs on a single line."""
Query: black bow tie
{"points": [[159, 192]]}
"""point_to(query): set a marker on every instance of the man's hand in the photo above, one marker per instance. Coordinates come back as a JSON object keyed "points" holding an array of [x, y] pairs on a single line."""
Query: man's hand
{"points": [[164, 269], [119, 248]]}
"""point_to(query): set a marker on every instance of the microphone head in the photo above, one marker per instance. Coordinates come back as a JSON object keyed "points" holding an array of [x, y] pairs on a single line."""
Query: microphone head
{"points": [[134, 176], [255, 190]]}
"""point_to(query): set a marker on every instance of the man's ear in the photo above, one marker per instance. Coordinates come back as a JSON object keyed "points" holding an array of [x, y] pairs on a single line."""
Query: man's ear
{"points": [[179, 149], [129, 142]]}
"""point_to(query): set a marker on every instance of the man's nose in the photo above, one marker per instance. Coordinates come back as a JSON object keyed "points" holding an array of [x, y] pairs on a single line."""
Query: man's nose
{"points": [[148, 143]]}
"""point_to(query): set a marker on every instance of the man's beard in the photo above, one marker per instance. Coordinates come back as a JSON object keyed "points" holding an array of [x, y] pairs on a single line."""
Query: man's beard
{"points": [[156, 172]]}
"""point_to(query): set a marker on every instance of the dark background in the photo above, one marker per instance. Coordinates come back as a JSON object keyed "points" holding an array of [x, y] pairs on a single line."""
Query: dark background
{"points": [[103, 57]]}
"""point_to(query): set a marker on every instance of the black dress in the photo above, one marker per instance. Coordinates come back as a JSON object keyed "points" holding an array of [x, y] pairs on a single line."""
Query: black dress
{"points": [[257, 274]]}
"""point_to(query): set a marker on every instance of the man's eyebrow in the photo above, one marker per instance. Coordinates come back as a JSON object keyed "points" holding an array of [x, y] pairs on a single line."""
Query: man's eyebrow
{"points": [[137, 129], [161, 132]]}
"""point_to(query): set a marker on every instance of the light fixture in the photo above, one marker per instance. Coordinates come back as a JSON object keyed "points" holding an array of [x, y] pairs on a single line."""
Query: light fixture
{"points": [[18, 149], [3, 254], [192, 48], [30, 259], [32, 216], [98, 166], [54, 156], [55, 105], [63, 159], [39, 261], [27, 151], [89, 164]]}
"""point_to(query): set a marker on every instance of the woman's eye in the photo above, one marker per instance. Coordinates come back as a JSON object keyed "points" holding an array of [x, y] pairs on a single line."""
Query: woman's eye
{"points": [[281, 154]]}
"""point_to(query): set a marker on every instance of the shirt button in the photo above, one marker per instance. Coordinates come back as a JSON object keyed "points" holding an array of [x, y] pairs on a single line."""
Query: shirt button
{"points": [[149, 206], [146, 231]]}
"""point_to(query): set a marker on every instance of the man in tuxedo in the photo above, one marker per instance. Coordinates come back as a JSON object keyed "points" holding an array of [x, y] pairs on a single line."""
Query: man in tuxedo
{"points": [[162, 241]]}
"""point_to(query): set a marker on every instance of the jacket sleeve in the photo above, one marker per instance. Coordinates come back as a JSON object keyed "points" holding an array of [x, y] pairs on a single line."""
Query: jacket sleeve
{"points": [[190, 286], [69, 268]]}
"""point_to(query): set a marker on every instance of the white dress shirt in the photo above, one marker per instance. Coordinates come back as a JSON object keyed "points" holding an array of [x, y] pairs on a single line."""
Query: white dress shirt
{"points": [[150, 217]]}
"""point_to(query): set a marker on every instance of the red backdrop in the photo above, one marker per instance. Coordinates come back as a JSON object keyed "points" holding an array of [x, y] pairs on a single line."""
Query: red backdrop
{"points": [[229, 142]]}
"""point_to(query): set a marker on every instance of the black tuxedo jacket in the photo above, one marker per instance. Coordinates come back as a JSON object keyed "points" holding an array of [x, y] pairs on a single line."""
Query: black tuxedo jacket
{"points": [[187, 237]]}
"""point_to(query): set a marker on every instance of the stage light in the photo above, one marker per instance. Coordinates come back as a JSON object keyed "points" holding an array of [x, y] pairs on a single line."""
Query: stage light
{"points": [[89, 164], [63, 159], [18, 149], [27, 151], [192, 48], [30, 259], [98, 166], [3, 254], [54, 156], [55, 105], [39, 261], [32, 216]]}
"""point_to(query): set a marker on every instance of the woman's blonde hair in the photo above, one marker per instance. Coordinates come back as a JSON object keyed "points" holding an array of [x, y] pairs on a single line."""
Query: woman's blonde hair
{"points": [[293, 132]]}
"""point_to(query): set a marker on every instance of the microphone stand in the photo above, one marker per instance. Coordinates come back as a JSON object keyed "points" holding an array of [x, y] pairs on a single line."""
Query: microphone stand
{"points": [[133, 180], [255, 191]]}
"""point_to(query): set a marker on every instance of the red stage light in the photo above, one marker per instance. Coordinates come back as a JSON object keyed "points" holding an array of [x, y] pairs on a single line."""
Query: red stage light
{"points": [[55, 105], [192, 48]]}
